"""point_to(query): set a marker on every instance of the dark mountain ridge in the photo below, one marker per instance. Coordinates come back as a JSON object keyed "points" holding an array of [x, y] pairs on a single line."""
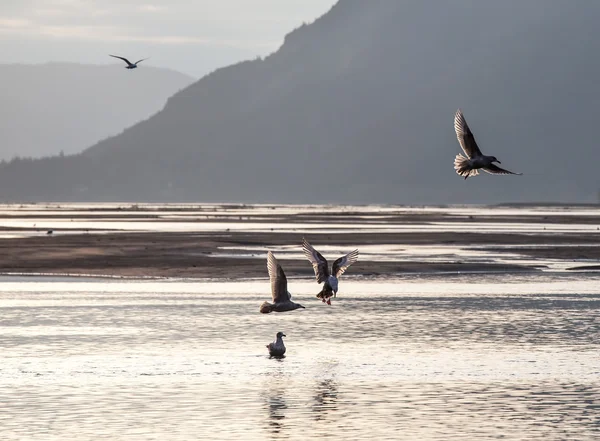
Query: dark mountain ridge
{"points": [[358, 107]]}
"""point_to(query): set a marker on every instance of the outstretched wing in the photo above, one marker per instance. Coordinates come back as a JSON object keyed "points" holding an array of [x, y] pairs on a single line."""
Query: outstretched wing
{"points": [[121, 58], [318, 262], [342, 264], [465, 136], [493, 169], [278, 280], [139, 61]]}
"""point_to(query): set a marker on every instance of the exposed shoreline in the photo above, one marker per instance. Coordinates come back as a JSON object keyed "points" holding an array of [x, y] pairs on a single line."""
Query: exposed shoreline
{"points": [[194, 254], [189, 255]]}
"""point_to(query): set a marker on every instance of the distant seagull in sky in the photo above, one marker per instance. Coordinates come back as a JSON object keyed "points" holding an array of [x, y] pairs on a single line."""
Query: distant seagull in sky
{"points": [[130, 65], [277, 348], [476, 160], [282, 299], [321, 267]]}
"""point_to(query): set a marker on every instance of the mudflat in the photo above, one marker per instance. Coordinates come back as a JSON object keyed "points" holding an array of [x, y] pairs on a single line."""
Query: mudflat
{"points": [[31, 247]]}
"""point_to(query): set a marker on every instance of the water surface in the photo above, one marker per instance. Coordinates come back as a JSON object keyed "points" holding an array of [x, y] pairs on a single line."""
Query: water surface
{"points": [[422, 357]]}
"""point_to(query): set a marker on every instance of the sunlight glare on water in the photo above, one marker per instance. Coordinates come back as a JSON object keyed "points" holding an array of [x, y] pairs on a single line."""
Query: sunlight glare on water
{"points": [[36, 219], [429, 358]]}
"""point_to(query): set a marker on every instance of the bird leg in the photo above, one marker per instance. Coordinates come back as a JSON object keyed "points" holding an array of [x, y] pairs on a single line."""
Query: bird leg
{"points": [[329, 301]]}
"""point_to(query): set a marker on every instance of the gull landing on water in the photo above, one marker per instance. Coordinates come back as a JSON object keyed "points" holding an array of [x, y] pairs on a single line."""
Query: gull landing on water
{"points": [[282, 299], [476, 160], [277, 348], [130, 65], [321, 268]]}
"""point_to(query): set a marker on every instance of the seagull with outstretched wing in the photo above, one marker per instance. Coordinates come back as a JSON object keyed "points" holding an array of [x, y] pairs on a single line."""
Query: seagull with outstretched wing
{"points": [[322, 273], [475, 160], [130, 65], [282, 299]]}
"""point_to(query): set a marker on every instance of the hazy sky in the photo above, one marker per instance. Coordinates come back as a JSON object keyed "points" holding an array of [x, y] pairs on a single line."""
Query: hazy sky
{"points": [[192, 36]]}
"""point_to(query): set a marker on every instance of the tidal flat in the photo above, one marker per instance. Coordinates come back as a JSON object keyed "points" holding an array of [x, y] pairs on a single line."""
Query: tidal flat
{"points": [[141, 322]]}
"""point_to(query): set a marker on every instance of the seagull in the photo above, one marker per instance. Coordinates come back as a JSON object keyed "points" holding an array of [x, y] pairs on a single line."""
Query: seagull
{"points": [[277, 348], [282, 299], [322, 273], [476, 160], [130, 65]]}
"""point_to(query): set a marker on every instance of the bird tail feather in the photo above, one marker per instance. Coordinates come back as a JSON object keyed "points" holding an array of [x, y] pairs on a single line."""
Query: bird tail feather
{"points": [[462, 167], [266, 308], [325, 293]]}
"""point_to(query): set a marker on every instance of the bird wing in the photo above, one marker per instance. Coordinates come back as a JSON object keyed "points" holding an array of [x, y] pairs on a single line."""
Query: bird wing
{"points": [[139, 61], [342, 264], [278, 280], [121, 58], [319, 263], [465, 136], [493, 169]]}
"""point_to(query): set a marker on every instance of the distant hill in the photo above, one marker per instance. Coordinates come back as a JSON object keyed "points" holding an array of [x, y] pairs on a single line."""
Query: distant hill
{"points": [[49, 108], [358, 107]]}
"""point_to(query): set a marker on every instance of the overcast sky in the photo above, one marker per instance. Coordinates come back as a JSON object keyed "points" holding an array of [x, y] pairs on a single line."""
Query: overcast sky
{"points": [[192, 36]]}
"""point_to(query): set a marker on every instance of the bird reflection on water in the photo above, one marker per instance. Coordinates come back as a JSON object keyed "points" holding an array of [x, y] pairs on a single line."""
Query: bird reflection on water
{"points": [[326, 397], [282, 403], [277, 406], [275, 402]]}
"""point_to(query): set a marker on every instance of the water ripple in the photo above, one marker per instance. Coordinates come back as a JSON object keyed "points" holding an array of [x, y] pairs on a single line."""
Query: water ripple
{"points": [[427, 358]]}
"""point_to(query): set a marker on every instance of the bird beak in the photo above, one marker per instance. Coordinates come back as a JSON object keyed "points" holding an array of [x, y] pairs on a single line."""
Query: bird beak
{"points": [[283, 335], [498, 162]]}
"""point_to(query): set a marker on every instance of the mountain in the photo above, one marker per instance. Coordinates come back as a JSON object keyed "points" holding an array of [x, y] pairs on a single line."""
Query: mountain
{"points": [[358, 107], [54, 107]]}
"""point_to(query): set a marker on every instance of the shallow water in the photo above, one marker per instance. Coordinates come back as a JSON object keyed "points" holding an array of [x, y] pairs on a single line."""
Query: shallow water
{"points": [[37, 219], [419, 357]]}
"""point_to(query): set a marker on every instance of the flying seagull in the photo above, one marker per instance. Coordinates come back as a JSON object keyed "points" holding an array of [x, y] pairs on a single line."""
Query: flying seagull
{"points": [[130, 65], [277, 348], [476, 160], [321, 267], [282, 299]]}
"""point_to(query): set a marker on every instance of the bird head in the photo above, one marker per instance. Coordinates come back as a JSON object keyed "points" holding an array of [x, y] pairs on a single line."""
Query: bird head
{"points": [[494, 159], [281, 334]]}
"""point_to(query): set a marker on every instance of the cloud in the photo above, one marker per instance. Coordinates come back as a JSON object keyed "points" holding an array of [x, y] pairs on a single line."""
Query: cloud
{"points": [[23, 27], [152, 8], [49, 12], [14, 23], [224, 31], [79, 32]]}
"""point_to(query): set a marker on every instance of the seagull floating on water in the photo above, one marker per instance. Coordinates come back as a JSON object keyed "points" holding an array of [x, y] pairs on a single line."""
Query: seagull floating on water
{"points": [[476, 160], [277, 348], [130, 65], [282, 299], [321, 267]]}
